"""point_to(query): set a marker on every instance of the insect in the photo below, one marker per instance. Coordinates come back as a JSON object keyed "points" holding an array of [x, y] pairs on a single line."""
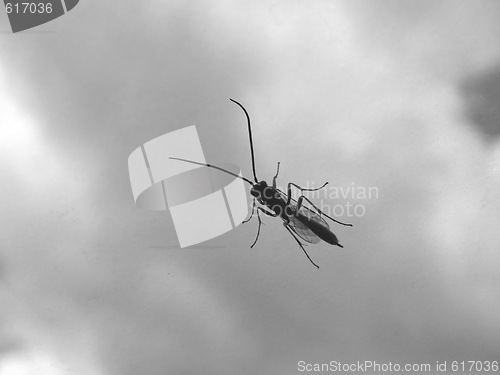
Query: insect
{"points": [[300, 221]]}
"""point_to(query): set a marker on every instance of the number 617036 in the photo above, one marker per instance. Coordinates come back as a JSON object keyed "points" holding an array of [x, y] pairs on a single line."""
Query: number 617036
{"points": [[23, 8]]}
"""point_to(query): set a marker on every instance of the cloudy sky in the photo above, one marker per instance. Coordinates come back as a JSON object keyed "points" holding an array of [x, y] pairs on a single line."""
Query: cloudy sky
{"points": [[398, 95]]}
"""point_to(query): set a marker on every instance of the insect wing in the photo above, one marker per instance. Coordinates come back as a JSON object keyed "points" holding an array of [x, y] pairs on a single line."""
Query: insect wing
{"points": [[303, 231], [306, 211], [311, 215], [306, 214]]}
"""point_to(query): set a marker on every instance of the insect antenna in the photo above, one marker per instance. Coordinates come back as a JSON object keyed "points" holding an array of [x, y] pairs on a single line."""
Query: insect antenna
{"points": [[251, 140], [215, 167]]}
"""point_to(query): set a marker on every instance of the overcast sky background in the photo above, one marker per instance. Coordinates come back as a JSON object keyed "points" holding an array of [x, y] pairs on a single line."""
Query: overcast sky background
{"points": [[398, 95]]}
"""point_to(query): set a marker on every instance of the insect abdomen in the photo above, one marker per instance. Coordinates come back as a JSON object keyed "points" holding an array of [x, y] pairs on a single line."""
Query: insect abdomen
{"points": [[319, 230]]}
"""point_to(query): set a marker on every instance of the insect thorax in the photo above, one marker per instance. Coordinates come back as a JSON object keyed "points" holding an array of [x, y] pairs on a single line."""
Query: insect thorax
{"points": [[274, 200]]}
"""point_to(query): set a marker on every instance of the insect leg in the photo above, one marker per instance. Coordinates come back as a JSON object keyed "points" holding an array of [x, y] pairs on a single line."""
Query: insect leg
{"points": [[275, 177], [299, 203], [300, 244], [251, 215], [290, 184], [268, 213]]}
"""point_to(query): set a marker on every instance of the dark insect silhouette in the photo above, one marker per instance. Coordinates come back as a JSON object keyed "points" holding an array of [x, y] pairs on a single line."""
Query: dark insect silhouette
{"points": [[300, 221]]}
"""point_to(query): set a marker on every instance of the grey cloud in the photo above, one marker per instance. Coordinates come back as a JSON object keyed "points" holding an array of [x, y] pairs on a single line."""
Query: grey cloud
{"points": [[116, 78], [481, 92]]}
